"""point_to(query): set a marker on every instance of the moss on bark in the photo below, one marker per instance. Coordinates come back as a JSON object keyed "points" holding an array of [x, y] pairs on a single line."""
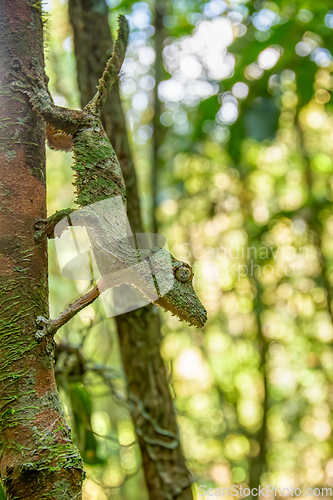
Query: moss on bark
{"points": [[37, 457]]}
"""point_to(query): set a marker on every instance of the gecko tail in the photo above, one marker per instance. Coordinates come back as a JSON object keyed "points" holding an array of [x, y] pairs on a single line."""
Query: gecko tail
{"points": [[114, 64], [112, 68]]}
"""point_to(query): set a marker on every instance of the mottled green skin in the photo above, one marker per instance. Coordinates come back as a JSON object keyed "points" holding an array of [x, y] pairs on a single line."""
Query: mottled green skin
{"points": [[113, 253], [97, 171], [98, 176]]}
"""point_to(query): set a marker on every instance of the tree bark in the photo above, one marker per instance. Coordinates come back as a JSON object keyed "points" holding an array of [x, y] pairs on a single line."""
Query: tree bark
{"points": [[37, 457], [149, 398]]}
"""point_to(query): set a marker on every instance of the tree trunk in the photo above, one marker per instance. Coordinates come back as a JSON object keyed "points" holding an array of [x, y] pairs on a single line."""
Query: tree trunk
{"points": [[37, 457], [149, 398]]}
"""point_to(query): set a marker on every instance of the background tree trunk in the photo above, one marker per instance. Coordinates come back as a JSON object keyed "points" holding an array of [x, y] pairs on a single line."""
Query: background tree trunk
{"points": [[37, 457], [149, 398], [161, 8]]}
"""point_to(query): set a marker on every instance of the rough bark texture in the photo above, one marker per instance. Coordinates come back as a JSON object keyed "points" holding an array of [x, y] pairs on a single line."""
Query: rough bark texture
{"points": [[139, 331], [37, 457]]}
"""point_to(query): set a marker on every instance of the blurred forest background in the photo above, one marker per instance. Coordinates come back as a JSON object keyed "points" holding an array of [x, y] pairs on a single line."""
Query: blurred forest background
{"points": [[228, 107]]}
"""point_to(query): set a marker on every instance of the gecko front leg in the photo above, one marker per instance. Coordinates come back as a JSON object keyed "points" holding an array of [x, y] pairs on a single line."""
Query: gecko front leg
{"points": [[45, 227]]}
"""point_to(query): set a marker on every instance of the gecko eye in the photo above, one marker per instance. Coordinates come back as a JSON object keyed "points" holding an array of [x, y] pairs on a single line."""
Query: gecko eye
{"points": [[183, 273]]}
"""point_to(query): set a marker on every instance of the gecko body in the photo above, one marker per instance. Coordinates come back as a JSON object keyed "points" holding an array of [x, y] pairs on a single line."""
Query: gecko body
{"points": [[98, 177]]}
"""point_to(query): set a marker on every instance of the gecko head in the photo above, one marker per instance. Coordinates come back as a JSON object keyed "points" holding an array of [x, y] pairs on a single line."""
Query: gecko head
{"points": [[181, 300]]}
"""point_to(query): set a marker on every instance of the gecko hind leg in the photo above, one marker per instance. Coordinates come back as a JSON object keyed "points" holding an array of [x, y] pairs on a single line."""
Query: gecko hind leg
{"points": [[33, 83]]}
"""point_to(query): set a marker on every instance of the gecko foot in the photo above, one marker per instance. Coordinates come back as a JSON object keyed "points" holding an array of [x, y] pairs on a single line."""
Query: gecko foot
{"points": [[46, 328], [29, 82]]}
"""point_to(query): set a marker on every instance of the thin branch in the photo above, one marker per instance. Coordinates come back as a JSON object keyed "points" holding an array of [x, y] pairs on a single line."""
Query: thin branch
{"points": [[110, 438], [50, 326]]}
